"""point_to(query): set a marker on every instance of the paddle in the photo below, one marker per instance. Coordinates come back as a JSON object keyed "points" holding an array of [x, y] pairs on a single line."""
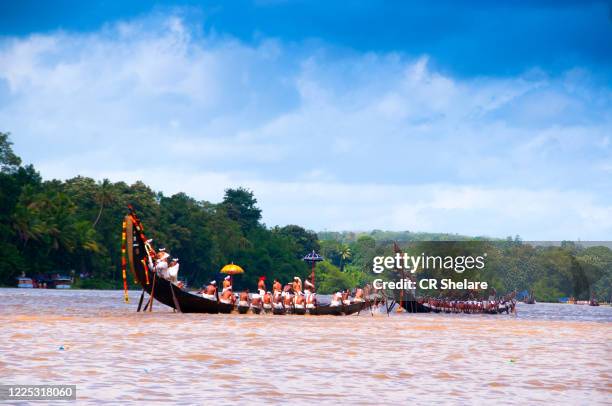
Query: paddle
{"points": [[140, 301], [176, 303], [152, 292]]}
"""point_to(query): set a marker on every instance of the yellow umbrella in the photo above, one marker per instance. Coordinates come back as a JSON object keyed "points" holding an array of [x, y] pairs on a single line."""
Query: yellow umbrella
{"points": [[232, 269]]}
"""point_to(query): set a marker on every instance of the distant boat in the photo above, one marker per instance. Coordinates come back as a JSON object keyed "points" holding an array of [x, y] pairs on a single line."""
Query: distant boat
{"points": [[60, 282], [25, 283], [530, 299]]}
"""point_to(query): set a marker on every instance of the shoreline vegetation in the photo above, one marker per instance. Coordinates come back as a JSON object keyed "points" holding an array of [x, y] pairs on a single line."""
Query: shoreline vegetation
{"points": [[73, 227]]}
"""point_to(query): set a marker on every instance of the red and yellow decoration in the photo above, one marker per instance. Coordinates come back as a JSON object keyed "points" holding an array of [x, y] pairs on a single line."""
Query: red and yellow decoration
{"points": [[124, 264]]}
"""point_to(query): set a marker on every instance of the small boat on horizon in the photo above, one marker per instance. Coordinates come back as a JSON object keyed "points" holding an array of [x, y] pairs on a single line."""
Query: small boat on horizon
{"points": [[60, 282], [24, 282]]}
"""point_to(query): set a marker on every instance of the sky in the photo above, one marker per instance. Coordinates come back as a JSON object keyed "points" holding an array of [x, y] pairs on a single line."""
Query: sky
{"points": [[477, 118]]}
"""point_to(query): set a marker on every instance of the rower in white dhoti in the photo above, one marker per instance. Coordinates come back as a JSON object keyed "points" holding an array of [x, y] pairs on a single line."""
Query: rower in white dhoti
{"points": [[173, 270]]}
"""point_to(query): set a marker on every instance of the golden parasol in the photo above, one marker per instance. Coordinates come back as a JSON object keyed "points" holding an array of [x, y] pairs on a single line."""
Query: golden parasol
{"points": [[232, 269]]}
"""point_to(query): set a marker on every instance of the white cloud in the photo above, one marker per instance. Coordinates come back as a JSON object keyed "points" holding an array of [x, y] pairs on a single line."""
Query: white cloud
{"points": [[336, 141]]}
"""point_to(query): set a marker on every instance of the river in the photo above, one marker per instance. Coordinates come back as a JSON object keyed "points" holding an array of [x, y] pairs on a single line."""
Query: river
{"points": [[549, 353]]}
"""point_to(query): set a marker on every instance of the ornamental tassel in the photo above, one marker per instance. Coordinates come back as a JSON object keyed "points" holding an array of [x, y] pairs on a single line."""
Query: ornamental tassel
{"points": [[123, 264]]}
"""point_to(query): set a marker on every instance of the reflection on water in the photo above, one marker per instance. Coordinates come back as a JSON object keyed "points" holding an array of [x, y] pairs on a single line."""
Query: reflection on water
{"points": [[549, 353]]}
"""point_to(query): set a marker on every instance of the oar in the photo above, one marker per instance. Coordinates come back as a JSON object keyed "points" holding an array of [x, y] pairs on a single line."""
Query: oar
{"points": [[152, 292], [387, 304], [176, 303], [140, 301], [217, 296], [390, 307]]}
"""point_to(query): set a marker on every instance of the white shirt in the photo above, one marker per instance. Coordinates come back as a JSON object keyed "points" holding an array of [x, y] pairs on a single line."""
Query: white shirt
{"points": [[173, 271], [162, 269]]}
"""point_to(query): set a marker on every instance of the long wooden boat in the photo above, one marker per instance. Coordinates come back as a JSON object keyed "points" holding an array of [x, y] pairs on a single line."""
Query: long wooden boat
{"points": [[183, 301], [412, 306]]}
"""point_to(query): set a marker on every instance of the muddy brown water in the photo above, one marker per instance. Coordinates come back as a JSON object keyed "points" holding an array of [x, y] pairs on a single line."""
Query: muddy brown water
{"points": [[548, 353]]}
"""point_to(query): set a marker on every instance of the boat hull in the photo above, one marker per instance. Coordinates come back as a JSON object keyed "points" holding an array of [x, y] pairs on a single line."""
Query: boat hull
{"points": [[328, 310], [412, 306], [298, 311], [279, 311]]}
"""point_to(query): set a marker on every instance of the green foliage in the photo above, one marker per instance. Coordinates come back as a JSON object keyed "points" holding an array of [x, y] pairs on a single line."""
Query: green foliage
{"points": [[8, 160], [305, 241], [240, 206], [330, 279]]}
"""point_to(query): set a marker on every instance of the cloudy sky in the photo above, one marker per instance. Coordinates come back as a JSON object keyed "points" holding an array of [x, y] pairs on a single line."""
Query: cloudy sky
{"points": [[491, 120]]}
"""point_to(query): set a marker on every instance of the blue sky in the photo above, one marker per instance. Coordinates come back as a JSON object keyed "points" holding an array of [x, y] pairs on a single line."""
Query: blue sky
{"points": [[487, 119]]}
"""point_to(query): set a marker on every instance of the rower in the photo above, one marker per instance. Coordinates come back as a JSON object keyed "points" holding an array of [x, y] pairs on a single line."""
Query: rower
{"points": [[277, 300], [311, 300], [299, 301], [346, 297], [244, 298], [161, 264], [173, 270], [256, 300], [297, 285], [227, 296], [288, 299], [227, 284], [336, 299], [261, 285], [161, 254], [308, 287], [359, 295], [267, 300], [308, 290], [276, 286], [210, 291], [278, 294]]}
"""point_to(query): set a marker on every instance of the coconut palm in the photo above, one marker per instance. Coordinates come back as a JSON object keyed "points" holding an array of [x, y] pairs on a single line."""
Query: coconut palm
{"points": [[345, 255], [26, 223], [104, 197]]}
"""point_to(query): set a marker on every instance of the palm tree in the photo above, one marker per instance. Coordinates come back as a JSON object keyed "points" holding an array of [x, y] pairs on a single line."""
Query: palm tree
{"points": [[59, 221], [104, 196], [26, 223], [345, 254]]}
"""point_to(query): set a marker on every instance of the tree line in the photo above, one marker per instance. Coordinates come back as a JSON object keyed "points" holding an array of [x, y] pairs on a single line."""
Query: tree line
{"points": [[74, 226]]}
